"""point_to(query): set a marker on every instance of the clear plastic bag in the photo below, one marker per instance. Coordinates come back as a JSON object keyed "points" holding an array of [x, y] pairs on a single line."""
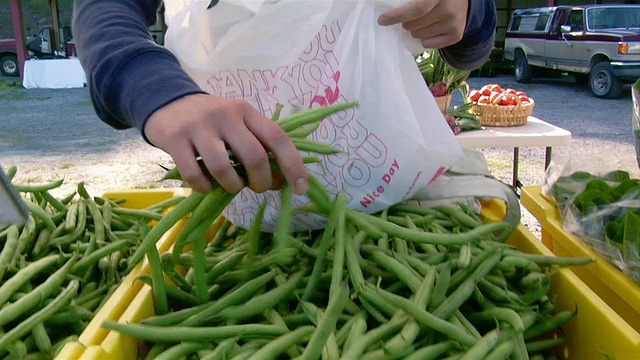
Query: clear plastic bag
{"points": [[603, 209], [635, 122]]}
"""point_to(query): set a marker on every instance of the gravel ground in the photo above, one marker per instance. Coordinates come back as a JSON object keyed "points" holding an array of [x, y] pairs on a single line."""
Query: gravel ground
{"points": [[49, 134]]}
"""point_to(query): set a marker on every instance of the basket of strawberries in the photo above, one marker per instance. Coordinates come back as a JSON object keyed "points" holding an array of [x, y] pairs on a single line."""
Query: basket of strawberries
{"points": [[496, 106]]}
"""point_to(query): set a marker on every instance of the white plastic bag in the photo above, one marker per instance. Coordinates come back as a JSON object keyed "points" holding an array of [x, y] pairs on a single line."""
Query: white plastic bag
{"points": [[315, 53]]}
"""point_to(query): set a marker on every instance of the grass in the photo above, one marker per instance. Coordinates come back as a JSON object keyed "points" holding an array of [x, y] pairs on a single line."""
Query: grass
{"points": [[66, 165], [10, 84]]}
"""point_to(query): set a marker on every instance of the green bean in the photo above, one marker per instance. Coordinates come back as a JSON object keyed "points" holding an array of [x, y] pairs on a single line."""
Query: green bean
{"points": [[458, 215], [279, 345], [326, 241], [10, 246], [471, 329], [67, 199], [545, 260], [41, 242], [188, 333], [502, 351], [556, 321], [327, 324], [48, 310], [431, 352], [354, 332], [80, 227], [530, 297], [232, 298], [303, 144], [55, 203], [498, 294], [372, 310], [167, 221], [182, 297], [473, 235], [502, 314], [157, 277], [442, 281], [199, 213], [72, 314], [165, 204], [221, 352], [429, 320], [199, 265], [284, 224], [24, 275], [520, 262], [352, 260], [45, 289], [38, 188], [11, 171], [41, 338], [310, 116], [479, 260], [39, 213], [231, 261], [304, 131], [483, 346], [368, 293], [183, 349], [543, 345], [260, 303], [337, 270], [358, 347], [91, 259], [402, 271]]}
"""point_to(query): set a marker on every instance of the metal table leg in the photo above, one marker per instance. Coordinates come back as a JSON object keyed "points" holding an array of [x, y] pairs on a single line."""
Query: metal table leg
{"points": [[516, 155]]}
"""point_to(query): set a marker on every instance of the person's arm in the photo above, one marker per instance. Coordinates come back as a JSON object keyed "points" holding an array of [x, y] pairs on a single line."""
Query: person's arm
{"points": [[134, 82], [128, 75], [476, 44]]}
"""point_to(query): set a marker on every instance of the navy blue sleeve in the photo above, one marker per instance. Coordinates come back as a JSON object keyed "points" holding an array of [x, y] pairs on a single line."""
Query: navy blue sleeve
{"points": [[479, 37], [129, 76]]}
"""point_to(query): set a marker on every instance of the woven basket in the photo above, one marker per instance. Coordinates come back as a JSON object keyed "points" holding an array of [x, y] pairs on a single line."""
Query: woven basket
{"points": [[504, 115]]}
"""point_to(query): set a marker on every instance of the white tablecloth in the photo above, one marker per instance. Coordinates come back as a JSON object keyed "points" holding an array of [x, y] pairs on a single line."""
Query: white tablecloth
{"points": [[53, 74], [535, 133]]}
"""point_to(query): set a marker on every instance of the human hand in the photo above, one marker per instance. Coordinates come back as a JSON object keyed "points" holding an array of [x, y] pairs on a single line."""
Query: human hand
{"points": [[436, 23], [204, 125]]}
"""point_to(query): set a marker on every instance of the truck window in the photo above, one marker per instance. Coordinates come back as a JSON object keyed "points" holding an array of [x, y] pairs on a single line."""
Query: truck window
{"points": [[612, 17], [536, 22], [576, 18]]}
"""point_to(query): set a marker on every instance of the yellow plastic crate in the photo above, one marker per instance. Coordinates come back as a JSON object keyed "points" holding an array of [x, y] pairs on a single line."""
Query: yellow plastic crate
{"points": [[616, 288], [595, 330], [93, 337]]}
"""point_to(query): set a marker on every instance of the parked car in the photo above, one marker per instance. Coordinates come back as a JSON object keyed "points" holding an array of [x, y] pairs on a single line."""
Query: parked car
{"points": [[598, 44]]}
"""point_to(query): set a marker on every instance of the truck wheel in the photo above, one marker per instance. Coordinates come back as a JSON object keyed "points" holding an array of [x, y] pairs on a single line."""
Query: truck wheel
{"points": [[9, 65], [604, 84], [522, 71]]}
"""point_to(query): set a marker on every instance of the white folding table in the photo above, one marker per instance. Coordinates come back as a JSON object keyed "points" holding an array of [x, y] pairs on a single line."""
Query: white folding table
{"points": [[53, 74], [535, 133]]}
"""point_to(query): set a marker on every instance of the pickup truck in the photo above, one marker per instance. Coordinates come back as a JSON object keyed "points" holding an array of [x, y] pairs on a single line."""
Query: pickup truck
{"points": [[37, 46], [598, 44]]}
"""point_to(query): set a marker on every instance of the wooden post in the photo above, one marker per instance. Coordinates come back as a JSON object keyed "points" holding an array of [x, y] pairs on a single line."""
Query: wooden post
{"points": [[18, 32], [55, 22]]}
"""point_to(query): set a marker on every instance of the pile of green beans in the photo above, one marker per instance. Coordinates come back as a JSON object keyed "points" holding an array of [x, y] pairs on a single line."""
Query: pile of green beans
{"points": [[407, 283], [58, 269]]}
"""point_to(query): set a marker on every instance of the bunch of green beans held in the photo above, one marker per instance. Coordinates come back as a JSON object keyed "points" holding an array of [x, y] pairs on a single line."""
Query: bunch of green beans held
{"points": [[58, 269], [407, 283]]}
